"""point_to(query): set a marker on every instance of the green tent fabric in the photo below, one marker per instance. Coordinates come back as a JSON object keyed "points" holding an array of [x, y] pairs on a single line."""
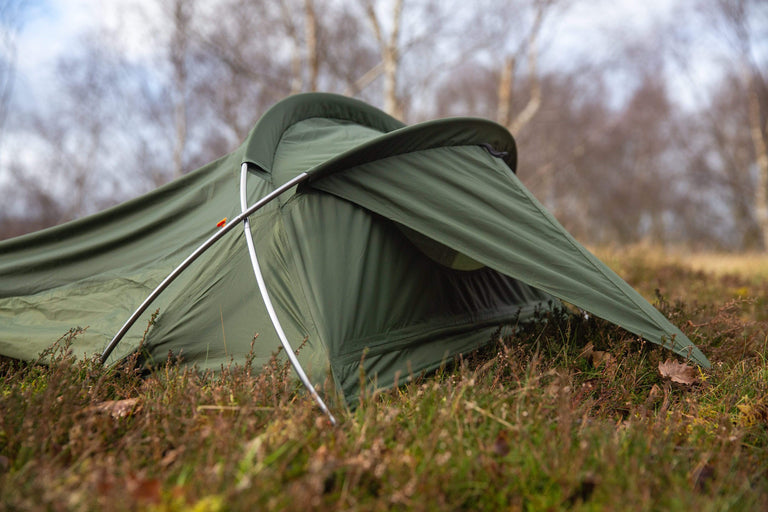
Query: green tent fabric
{"points": [[406, 245]]}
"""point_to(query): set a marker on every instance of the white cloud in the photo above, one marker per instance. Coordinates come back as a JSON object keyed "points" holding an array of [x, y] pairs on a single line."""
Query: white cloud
{"points": [[51, 31], [56, 28]]}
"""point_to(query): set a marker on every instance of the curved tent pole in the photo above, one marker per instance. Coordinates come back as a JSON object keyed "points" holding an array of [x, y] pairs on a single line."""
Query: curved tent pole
{"points": [[192, 257], [268, 302]]}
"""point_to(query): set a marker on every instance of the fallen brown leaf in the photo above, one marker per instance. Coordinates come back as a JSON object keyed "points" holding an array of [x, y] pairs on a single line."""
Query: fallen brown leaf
{"points": [[587, 350], [501, 445], [678, 372], [144, 490], [596, 357], [600, 357]]}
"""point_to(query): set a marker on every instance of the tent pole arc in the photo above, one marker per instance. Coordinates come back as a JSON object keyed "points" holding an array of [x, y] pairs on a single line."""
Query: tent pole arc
{"points": [[268, 302], [192, 257]]}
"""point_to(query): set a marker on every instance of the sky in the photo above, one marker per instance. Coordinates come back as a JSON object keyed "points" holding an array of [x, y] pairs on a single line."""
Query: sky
{"points": [[54, 26], [588, 27]]}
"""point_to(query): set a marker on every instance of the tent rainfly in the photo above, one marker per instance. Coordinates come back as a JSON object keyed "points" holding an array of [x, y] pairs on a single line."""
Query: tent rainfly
{"points": [[373, 243]]}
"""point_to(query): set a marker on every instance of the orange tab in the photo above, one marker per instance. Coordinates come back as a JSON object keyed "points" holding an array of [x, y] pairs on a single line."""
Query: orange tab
{"points": [[221, 222]]}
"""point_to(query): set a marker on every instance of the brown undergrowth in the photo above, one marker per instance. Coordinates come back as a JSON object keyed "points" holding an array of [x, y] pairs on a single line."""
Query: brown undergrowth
{"points": [[565, 413]]}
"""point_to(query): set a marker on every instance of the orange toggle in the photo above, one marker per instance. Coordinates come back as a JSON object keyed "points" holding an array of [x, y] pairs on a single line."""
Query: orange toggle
{"points": [[221, 222]]}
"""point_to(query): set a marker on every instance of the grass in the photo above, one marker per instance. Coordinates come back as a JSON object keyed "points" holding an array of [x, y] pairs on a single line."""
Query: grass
{"points": [[570, 414]]}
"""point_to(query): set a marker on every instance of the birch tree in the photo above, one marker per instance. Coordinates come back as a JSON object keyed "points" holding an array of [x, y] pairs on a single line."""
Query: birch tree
{"points": [[389, 45], [527, 47], [740, 26], [740, 17], [178, 55]]}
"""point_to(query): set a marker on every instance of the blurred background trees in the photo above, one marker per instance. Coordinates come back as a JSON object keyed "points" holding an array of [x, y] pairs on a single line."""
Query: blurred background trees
{"points": [[658, 133]]}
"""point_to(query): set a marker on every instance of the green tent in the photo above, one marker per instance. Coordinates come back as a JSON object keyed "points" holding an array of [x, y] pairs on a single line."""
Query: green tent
{"points": [[397, 247]]}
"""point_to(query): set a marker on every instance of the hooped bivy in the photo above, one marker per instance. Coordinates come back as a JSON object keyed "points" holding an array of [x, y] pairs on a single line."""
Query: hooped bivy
{"points": [[381, 247]]}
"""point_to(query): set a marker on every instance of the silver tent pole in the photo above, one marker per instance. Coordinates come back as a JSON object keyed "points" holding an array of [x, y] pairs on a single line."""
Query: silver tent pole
{"points": [[192, 257], [268, 302]]}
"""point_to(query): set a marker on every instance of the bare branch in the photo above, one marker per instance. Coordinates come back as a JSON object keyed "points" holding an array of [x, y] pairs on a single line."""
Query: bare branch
{"points": [[365, 80]]}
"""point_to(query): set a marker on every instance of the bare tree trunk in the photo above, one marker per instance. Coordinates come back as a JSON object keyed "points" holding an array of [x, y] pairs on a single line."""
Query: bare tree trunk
{"points": [[534, 98], [504, 106], [310, 27], [737, 14], [297, 83], [739, 26], [390, 53], [740, 203], [309, 45], [392, 63], [182, 15], [11, 21], [758, 132]]}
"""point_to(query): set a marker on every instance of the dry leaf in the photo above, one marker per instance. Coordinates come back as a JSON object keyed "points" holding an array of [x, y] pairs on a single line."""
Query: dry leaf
{"points": [[600, 357], [144, 490], [678, 372], [587, 350], [596, 357], [654, 394], [501, 445], [117, 408]]}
